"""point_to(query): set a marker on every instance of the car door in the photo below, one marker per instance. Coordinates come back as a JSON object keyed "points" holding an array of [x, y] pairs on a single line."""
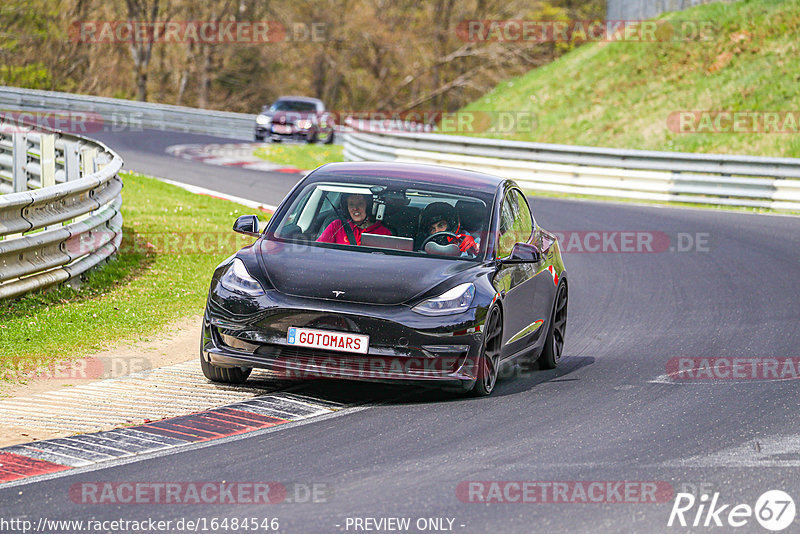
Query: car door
{"points": [[523, 286]]}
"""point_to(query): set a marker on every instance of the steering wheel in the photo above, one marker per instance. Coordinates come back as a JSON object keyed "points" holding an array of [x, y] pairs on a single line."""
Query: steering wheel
{"points": [[437, 234]]}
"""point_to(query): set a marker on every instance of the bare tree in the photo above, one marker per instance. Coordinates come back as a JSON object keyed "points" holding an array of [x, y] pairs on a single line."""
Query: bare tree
{"points": [[377, 54], [142, 50]]}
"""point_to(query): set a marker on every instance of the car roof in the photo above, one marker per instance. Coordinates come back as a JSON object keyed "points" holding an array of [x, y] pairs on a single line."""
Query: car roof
{"points": [[432, 174], [300, 99]]}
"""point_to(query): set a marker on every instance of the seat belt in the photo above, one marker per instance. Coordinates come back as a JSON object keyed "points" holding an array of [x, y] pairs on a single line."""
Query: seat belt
{"points": [[349, 231]]}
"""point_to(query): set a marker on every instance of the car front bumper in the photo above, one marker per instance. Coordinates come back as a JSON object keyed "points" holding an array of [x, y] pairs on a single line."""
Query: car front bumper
{"points": [[404, 346], [295, 133]]}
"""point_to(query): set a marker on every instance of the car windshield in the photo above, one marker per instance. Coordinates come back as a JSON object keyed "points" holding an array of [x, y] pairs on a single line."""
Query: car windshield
{"points": [[293, 105], [388, 216]]}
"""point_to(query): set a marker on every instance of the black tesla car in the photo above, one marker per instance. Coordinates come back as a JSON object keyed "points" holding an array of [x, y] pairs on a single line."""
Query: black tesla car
{"points": [[389, 272]]}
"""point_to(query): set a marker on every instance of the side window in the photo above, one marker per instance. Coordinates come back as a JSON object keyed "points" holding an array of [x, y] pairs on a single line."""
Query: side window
{"points": [[508, 213], [523, 224], [516, 224], [292, 224]]}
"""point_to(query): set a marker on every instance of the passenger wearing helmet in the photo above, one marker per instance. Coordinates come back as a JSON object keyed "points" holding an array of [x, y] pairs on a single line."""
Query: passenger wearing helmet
{"points": [[359, 211], [440, 217]]}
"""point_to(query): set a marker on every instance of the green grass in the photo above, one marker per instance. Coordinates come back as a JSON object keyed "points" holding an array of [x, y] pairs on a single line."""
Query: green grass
{"points": [[304, 157], [621, 94], [173, 239]]}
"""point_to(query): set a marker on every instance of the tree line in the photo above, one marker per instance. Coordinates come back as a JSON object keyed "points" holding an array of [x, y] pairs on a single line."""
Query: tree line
{"points": [[238, 55]]}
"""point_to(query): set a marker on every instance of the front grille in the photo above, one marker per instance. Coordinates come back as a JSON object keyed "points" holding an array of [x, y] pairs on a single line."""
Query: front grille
{"points": [[286, 352], [349, 363]]}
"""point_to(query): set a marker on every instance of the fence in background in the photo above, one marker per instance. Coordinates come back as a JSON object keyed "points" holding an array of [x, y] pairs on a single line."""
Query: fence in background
{"points": [[646, 9], [115, 114], [636, 174]]}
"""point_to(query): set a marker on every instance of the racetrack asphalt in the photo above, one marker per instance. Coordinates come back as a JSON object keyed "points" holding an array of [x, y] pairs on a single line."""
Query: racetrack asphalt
{"points": [[144, 151], [608, 413]]}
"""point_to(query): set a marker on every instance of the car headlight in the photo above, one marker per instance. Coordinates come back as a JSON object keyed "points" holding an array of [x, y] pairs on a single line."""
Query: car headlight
{"points": [[453, 301], [304, 124], [238, 280], [263, 120]]}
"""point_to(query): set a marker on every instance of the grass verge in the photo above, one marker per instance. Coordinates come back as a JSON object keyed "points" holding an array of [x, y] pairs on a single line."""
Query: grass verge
{"points": [[627, 94], [304, 157], [172, 241]]}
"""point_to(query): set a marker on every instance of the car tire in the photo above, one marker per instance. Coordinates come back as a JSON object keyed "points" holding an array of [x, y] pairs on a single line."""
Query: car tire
{"points": [[259, 138], [226, 375], [489, 360], [329, 140], [312, 139], [554, 343]]}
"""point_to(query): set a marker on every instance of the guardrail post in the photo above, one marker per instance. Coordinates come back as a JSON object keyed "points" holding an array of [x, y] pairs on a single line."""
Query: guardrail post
{"points": [[47, 159], [88, 157], [19, 155], [89, 161], [71, 163]]}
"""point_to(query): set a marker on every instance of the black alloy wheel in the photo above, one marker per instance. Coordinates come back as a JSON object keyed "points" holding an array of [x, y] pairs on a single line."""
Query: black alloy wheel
{"points": [[489, 360]]}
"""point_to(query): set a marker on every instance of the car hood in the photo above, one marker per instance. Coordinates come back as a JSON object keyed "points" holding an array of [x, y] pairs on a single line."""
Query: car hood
{"points": [[316, 272], [290, 116]]}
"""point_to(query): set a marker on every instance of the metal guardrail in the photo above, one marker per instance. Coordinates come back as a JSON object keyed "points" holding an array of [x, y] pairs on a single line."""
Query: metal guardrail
{"points": [[646, 9], [663, 176], [60, 215], [637, 174], [116, 114]]}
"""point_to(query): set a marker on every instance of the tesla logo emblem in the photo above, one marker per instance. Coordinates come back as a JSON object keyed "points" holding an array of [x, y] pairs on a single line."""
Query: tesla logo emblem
{"points": [[338, 294]]}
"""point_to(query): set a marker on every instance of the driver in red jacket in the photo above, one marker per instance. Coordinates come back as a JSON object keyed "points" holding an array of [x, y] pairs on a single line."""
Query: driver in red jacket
{"points": [[442, 217], [359, 209]]}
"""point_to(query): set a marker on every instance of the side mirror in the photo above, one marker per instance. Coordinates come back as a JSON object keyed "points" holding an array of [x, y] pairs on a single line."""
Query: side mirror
{"points": [[523, 253], [247, 225]]}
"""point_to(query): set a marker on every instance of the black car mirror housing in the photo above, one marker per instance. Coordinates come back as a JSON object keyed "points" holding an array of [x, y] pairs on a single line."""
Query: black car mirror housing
{"points": [[247, 225], [523, 253]]}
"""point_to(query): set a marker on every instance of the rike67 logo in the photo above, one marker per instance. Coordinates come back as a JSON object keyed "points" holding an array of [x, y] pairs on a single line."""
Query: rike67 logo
{"points": [[774, 510]]}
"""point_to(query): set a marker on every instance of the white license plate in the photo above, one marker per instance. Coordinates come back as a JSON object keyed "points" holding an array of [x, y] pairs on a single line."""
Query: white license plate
{"points": [[281, 129], [327, 340]]}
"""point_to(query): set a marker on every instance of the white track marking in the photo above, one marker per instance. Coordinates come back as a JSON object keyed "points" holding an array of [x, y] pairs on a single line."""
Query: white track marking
{"points": [[771, 451], [228, 155], [209, 192]]}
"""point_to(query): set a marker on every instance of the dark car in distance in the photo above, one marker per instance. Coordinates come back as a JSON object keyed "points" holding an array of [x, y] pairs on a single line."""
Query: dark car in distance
{"points": [[409, 305], [295, 117]]}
